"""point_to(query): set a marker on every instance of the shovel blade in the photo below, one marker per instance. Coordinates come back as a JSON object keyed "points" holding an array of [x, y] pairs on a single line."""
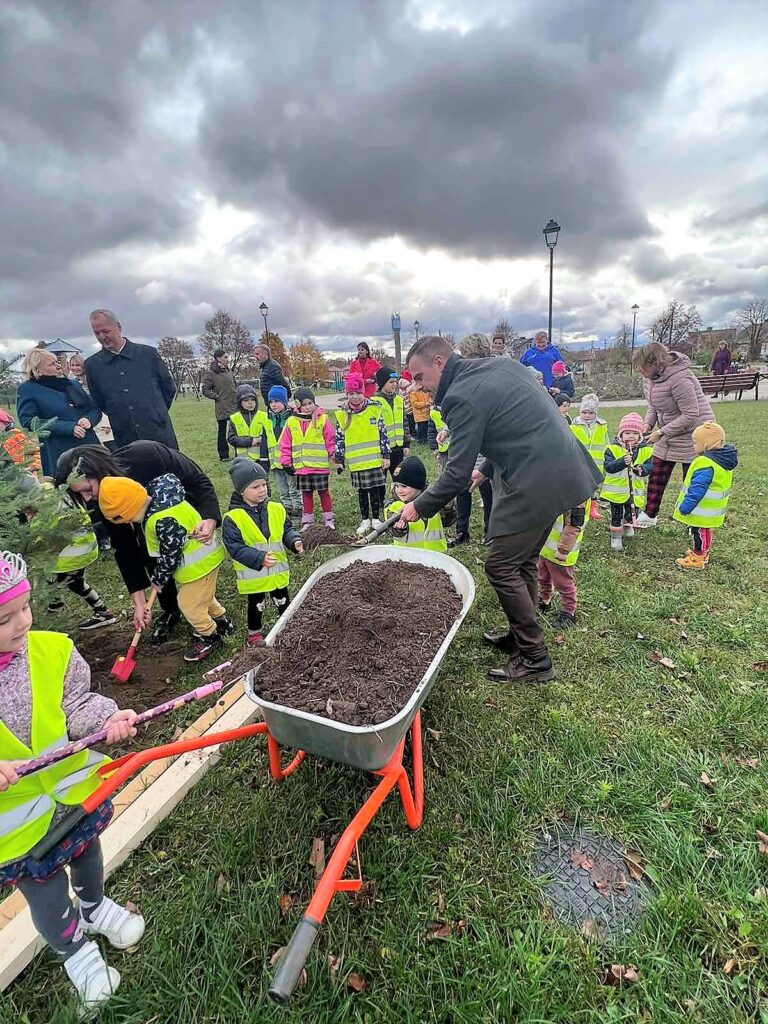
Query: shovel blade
{"points": [[123, 667]]}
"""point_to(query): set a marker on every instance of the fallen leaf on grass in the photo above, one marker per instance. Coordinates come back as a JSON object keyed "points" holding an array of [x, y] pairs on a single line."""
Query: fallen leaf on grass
{"points": [[277, 956], [635, 865], [710, 828], [559, 640], [444, 929], [580, 859], [762, 845], [317, 857], [665, 804], [334, 966], [658, 658], [434, 734], [707, 781], [620, 974], [440, 903], [221, 883], [356, 981], [132, 908], [285, 903], [728, 966], [760, 666], [760, 895], [591, 930]]}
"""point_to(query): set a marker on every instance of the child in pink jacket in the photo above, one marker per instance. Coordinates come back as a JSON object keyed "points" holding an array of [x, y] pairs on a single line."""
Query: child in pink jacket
{"points": [[306, 449]]}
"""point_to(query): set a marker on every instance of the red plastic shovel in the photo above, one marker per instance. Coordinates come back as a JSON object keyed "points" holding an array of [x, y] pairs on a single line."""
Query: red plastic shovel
{"points": [[126, 663]]}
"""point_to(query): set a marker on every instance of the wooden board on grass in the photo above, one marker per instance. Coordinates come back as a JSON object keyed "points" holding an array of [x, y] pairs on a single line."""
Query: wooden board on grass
{"points": [[141, 806]]}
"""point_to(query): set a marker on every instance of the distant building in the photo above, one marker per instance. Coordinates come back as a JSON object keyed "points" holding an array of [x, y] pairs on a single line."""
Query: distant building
{"points": [[61, 349], [711, 338]]}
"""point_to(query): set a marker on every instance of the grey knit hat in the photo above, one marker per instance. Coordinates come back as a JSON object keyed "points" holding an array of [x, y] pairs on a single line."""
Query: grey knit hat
{"points": [[589, 403], [245, 391], [244, 471]]}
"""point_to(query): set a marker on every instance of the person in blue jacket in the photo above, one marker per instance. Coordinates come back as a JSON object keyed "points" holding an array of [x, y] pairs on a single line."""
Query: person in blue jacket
{"points": [[48, 395], [541, 356]]}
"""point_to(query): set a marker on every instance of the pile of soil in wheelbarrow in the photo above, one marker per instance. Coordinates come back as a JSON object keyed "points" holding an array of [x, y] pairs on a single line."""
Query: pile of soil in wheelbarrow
{"points": [[318, 536], [362, 640], [152, 681]]}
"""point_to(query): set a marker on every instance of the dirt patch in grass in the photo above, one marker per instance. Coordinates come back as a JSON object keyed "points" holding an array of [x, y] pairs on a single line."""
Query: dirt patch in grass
{"points": [[318, 536], [152, 682], [361, 642]]}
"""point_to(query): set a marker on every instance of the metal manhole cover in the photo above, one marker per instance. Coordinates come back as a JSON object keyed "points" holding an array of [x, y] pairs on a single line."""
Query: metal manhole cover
{"points": [[586, 881]]}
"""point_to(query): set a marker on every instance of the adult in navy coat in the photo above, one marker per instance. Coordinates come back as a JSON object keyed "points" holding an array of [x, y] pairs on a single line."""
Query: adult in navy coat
{"points": [[131, 384], [48, 395]]}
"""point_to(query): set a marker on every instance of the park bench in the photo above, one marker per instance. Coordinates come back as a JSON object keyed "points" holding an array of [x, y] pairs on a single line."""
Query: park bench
{"points": [[725, 383]]}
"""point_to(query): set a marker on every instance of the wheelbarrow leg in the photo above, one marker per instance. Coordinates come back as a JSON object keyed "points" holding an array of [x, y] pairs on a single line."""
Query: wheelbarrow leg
{"points": [[413, 802]]}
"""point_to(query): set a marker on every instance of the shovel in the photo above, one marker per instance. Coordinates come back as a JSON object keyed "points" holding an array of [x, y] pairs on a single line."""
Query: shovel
{"points": [[126, 663]]}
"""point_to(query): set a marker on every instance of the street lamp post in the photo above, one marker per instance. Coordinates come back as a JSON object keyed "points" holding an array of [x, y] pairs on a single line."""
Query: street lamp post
{"points": [[551, 231], [416, 326], [396, 334], [672, 327], [635, 308], [264, 309]]}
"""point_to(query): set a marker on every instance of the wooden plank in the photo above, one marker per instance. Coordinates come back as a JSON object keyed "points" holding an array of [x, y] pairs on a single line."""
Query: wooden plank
{"points": [[138, 819]]}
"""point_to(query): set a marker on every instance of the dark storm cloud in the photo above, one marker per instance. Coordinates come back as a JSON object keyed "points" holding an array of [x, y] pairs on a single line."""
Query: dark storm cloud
{"points": [[466, 142]]}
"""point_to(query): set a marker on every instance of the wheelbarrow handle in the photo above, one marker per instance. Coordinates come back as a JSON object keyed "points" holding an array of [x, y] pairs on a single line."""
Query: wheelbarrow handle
{"points": [[291, 963]]}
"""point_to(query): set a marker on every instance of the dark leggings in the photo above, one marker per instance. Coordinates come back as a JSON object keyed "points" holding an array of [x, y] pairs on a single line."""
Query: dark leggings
{"points": [[52, 910], [370, 502], [621, 514], [464, 508], [76, 583], [258, 602], [702, 539], [657, 482], [221, 440]]}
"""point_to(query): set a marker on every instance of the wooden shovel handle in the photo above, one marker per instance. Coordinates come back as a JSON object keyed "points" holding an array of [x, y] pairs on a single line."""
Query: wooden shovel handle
{"points": [[150, 602]]}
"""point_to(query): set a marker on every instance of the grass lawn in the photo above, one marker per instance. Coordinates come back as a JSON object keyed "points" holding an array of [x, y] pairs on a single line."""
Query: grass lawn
{"points": [[616, 742]]}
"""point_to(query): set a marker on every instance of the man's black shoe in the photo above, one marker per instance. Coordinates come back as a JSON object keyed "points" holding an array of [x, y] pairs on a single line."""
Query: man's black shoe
{"points": [[501, 641], [460, 538], [564, 620], [164, 627], [524, 671], [545, 607]]}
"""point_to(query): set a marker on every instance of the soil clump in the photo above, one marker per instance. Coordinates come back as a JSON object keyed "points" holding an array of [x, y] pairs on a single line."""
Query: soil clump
{"points": [[318, 535], [361, 642]]}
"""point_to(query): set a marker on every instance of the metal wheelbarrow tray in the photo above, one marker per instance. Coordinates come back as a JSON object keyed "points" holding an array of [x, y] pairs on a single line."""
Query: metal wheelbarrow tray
{"points": [[369, 747]]}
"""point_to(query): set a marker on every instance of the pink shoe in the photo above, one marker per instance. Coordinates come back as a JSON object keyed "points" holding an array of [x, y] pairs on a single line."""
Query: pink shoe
{"points": [[255, 639]]}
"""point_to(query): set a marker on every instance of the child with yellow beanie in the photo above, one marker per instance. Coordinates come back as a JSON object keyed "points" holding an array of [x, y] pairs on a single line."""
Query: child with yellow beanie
{"points": [[703, 501], [169, 524]]}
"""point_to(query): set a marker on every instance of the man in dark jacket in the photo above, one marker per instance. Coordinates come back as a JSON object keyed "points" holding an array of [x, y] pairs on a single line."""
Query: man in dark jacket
{"points": [[142, 461], [131, 384], [219, 385], [270, 373], [539, 469]]}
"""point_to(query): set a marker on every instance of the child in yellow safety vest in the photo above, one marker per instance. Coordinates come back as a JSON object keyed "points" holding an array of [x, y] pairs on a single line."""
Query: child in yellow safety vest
{"points": [[257, 533], [410, 481], [71, 563], [703, 501], [170, 528], [557, 561], [307, 447], [626, 465], [438, 437], [592, 431], [392, 406], [279, 414], [250, 431], [362, 442], [45, 702]]}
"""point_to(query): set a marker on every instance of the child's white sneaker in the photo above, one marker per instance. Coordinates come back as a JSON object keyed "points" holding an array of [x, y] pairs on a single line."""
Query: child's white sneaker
{"points": [[118, 925], [363, 528], [616, 544], [94, 981], [376, 523], [643, 521], [628, 530]]}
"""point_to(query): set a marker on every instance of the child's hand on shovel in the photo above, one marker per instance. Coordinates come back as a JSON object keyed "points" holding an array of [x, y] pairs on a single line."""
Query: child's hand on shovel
{"points": [[299, 548], [120, 726]]}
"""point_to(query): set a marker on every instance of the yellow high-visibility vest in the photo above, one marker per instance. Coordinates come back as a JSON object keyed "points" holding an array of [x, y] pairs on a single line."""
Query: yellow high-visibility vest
{"points": [[429, 536], [616, 485], [261, 581], [710, 511], [439, 423], [82, 550], [394, 418], [27, 808], [362, 446], [259, 425], [549, 551], [198, 559], [594, 439], [309, 451]]}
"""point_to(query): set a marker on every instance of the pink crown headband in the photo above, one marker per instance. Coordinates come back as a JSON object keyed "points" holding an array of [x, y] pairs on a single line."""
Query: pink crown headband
{"points": [[13, 576]]}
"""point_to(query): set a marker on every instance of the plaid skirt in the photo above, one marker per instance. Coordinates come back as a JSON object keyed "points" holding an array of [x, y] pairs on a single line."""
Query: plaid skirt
{"points": [[78, 840], [368, 479], [309, 482]]}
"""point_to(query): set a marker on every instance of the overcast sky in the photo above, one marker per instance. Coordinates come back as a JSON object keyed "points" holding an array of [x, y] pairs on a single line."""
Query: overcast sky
{"points": [[341, 160]]}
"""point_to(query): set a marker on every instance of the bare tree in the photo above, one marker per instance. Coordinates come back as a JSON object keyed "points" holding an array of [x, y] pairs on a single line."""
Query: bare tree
{"points": [[673, 325], [382, 356], [511, 336], [178, 356], [623, 337], [752, 322], [225, 331]]}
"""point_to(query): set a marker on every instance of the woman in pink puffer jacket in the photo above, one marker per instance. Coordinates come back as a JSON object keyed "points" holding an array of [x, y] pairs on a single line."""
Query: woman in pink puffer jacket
{"points": [[676, 405]]}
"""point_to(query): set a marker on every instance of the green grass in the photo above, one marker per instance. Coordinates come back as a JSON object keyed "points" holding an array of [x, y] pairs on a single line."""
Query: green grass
{"points": [[616, 742]]}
